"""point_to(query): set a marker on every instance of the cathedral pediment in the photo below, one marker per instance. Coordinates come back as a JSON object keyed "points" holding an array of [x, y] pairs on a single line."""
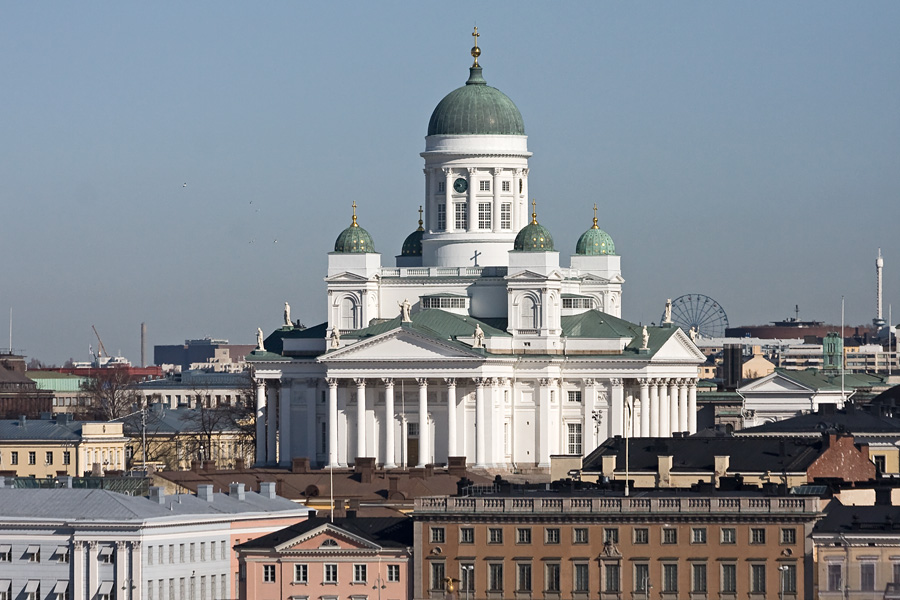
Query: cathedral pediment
{"points": [[775, 383], [346, 276], [531, 276], [404, 344], [326, 538], [679, 347]]}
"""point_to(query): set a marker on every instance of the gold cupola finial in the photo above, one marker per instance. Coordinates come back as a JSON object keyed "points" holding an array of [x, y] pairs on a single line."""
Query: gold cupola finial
{"points": [[534, 212], [476, 51], [354, 224], [595, 218], [420, 219]]}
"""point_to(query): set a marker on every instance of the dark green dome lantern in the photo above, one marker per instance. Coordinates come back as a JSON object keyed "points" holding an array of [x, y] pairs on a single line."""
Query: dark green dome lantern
{"points": [[354, 239], [534, 237], [476, 108], [412, 245], [595, 241]]}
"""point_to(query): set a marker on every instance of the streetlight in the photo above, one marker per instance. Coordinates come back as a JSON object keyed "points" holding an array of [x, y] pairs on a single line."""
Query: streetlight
{"points": [[628, 421], [468, 573], [783, 573], [379, 585]]}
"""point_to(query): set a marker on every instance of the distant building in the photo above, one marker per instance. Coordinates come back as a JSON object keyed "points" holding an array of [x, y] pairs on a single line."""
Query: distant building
{"points": [[67, 389], [19, 395], [203, 353], [46, 448], [81, 544], [196, 387]]}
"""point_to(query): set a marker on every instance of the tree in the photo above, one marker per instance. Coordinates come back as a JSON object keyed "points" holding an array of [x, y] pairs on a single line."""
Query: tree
{"points": [[110, 394]]}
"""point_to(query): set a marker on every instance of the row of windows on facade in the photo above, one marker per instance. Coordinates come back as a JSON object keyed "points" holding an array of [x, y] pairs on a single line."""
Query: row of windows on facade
{"points": [[329, 573], [461, 216], [207, 400], [60, 554], [611, 577], [49, 457], [640, 535], [867, 571], [186, 552], [187, 588], [484, 185]]}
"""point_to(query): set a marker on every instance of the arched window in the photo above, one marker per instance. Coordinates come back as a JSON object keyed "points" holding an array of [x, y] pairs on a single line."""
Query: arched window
{"points": [[528, 314], [348, 314]]}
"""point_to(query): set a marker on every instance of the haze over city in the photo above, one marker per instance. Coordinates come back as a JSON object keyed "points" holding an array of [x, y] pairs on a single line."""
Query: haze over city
{"points": [[189, 166]]}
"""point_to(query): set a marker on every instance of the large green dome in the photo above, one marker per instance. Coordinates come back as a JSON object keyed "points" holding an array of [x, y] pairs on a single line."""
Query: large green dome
{"points": [[534, 237], [354, 239], [476, 109], [595, 241]]}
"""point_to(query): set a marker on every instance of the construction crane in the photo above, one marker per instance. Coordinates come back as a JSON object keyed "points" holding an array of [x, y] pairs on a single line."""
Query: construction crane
{"points": [[102, 349]]}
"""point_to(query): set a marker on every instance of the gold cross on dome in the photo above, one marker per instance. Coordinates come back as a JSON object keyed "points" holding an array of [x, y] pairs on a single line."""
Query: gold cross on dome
{"points": [[420, 216], [534, 211], [476, 51], [476, 35], [354, 214], [595, 217]]}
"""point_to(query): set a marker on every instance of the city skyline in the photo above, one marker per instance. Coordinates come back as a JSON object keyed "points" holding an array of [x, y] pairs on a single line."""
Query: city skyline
{"points": [[191, 169]]}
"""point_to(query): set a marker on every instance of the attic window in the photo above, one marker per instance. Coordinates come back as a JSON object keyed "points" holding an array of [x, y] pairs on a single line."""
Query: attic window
{"points": [[329, 544], [443, 302], [577, 303]]}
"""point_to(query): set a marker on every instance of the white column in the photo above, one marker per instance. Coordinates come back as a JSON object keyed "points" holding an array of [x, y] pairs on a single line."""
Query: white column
{"points": [[404, 441], [137, 579], [664, 422], [311, 448], [77, 571], [683, 406], [260, 422], [284, 423], [692, 406], [480, 424], [424, 442], [617, 408], [448, 200], [495, 216], [120, 583], [389, 453], [93, 569], [654, 409], [472, 201], [645, 408], [525, 216], [589, 432], [271, 425], [360, 418], [543, 456], [451, 416], [673, 406], [332, 422]]}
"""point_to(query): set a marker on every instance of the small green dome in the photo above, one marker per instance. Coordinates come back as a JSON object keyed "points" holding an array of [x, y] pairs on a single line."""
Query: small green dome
{"points": [[412, 246], [534, 237], [354, 239], [476, 109], [595, 241]]}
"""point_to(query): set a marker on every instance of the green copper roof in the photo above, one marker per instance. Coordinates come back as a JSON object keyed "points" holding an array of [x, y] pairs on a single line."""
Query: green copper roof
{"points": [[595, 242], [354, 240], [534, 237], [476, 109]]}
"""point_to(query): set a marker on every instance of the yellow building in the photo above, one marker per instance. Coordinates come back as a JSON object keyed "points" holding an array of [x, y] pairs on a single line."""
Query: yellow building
{"points": [[49, 447]]}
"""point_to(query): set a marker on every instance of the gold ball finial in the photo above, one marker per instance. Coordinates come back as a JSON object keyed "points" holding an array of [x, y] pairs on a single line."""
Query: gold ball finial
{"points": [[354, 215], [534, 212], [476, 51], [595, 218]]}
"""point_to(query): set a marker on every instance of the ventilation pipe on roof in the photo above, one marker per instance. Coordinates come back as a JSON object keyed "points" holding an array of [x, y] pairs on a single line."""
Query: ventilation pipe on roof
{"points": [[236, 490], [205, 492], [267, 489]]}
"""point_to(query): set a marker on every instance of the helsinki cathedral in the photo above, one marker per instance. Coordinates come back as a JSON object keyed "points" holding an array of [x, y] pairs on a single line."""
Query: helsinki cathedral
{"points": [[476, 342]]}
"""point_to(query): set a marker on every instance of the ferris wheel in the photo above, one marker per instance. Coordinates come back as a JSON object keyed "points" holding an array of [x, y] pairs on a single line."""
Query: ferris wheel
{"points": [[699, 312]]}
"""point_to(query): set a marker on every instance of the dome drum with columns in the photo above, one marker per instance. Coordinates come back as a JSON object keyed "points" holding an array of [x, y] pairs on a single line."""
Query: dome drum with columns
{"points": [[476, 343]]}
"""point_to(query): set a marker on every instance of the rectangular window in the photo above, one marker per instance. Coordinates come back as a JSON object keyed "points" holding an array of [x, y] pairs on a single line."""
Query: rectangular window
{"points": [[789, 578], [523, 577], [462, 215], [698, 535], [504, 186], [698, 578], [896, 569], [551, 535], [670, 578], [880, 463], [466, 535], [867, 576], [580, 535], [442, 187], [729, 535], [484, 215], [34, 553], [641, 577], [574, 395], [359, 574], [268, 573], [670, 536], [181, 553], [48, 458], [611, 535], [574, 438], [495, 535], [437, 535], [641, 535], [393, 573], [301, 573], [171, 554], [202, 551], [758, 579], [834, 577], [495, 577], [212, 551], [6, 554], [551, 577], [442, 217], [193, 552], [789, 535], [14, 458], [438, 574], [467, 577], [32, 458], [729, 579], [331, 573], [485, 185], [523, 535], [67, 457], [506, 215], [757, 535], [612, 577]]}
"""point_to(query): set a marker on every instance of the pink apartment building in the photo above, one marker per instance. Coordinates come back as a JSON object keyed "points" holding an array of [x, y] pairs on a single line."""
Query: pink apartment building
{"points": [[352, 558]]}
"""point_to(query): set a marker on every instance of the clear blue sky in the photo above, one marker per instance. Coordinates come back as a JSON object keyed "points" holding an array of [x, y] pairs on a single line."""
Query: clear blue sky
{"points": [[747, 151]]}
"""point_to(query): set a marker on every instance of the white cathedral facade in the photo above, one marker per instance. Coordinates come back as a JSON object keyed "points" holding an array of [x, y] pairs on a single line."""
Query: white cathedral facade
{"points": [[476, 343]]}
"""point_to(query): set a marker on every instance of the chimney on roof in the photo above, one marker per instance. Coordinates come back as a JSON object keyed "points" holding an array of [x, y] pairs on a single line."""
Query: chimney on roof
{"points": [[157, 495], [429, 470], [300, 465], [608, 466], [267, 489], [664, 468], [195, 466], [365, 466], [417, 473], [205, 492], [236, 490], [456, 466], [209, 465], [21, 420], [352, 508], [239, 464], [721, 467], [63, 418], [65, 482], [393, 484]]}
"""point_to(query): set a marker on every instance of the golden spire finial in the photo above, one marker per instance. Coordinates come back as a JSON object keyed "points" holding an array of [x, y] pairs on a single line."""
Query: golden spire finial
{"points": [[476, 51], [534, 212], [354, 215], [420, 218], [595, 218]]}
